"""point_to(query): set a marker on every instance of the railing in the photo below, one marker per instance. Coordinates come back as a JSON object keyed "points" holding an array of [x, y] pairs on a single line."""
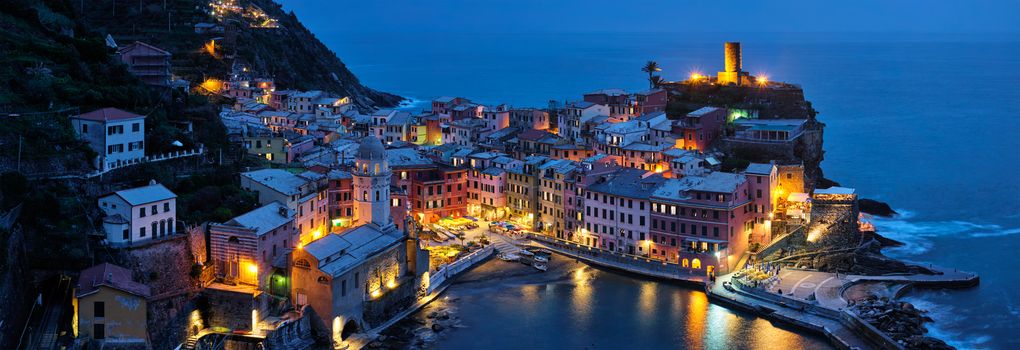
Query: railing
{"points": [[437, 277], [108, 166], [628, 262]]}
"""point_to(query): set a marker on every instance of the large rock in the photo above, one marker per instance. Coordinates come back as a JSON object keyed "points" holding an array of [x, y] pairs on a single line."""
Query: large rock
{"points": [[875, 208]]}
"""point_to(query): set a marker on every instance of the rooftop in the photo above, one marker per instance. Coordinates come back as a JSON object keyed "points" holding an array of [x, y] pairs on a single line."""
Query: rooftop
{"points": [[108, 114], [759, 169], [339, 253], [154, 192], [702, 111], [112, 276], [406, 157], [278, 179], [628, 182], [263, 219]]}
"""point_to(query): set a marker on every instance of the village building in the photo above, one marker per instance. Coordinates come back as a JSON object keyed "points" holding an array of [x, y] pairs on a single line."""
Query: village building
{"points": [[117, 136], [110, 308], [616, 210], [149, 63], [304, 194], [139, 214], [245, 247]]}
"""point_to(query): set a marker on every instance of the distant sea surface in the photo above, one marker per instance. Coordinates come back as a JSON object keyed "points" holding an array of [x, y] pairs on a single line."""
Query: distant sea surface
{"points": [[926, 123]]}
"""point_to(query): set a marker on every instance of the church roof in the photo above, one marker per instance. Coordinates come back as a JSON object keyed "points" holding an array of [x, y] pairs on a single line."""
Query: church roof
{"points": [[371, 149]]}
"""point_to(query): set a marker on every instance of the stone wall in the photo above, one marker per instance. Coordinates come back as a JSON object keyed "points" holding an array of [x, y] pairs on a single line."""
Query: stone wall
{"points": [[165, 266]]}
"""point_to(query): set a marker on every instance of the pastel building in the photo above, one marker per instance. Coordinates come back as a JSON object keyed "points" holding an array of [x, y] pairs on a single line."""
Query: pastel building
{"points": [[304, 194], [139, 214], [695, 217], [111, 308], [245, 247], [118, 136], [616, 209], [701, 127], [486, 190]]}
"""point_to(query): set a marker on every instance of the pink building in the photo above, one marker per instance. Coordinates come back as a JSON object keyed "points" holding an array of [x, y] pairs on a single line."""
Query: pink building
{"points": [[486, 191], [764, 182], [701, 127], [244, 248], [649, 101], [616, 209], [696, 217]]}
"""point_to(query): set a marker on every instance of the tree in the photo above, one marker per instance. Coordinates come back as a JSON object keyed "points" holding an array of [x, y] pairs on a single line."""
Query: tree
{"points": [[651, 67], [656, 81]]}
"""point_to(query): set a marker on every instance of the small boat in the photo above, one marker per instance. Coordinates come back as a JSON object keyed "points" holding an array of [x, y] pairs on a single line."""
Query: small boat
{"points": [[509, 257], [541, 259], [545, 252], [540, 266]]}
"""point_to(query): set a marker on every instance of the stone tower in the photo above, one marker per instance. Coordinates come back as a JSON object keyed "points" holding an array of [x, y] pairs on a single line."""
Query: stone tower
{"points": [[732, 74], [371, 184]]}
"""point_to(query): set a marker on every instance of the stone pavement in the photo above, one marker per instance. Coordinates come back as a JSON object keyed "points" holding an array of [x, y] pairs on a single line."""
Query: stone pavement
{"points": [[832, 328]]}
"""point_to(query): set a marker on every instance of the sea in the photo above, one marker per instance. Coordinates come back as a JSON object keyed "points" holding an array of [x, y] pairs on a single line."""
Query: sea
{"points": [[928, 123]]}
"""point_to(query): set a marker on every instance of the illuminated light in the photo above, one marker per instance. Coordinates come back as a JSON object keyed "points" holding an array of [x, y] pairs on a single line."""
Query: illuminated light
{"points": [[253, 268], [695, 76], [376, 293], [763, 80], [579, 274], [391, 284], [316, 234], [300, 245], [814, 235]]}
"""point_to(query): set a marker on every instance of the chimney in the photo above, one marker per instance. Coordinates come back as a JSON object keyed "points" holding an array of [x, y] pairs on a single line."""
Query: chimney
{"points": [[283, 211]]}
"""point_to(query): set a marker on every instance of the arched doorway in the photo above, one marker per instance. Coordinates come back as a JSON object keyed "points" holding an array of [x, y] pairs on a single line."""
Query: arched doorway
{"points": [[696, 264], [349, 328], [685, 263]]}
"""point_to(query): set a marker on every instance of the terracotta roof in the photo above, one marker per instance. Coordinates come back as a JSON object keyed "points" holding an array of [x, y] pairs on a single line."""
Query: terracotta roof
{"points": [[108, 114], [112, 276], [532, 135], [135, 44]]}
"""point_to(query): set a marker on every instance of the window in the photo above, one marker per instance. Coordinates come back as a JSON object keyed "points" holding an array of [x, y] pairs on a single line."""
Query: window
{"points": [[166, 207], [136, 127], [153, 209], [357, 276], [141, 212], [84, 128], [99, 331], [141, 232], [99, 309]]}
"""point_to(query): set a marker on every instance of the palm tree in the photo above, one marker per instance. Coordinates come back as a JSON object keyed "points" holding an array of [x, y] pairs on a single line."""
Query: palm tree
{"points": [[656, 81], [651, 67]]}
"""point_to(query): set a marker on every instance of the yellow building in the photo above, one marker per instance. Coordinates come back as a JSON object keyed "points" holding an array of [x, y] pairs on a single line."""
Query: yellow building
{"points": [[111, 308]]}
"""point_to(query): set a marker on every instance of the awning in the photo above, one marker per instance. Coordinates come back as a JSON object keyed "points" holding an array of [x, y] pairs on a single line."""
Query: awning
{"points": [[798, 197]]}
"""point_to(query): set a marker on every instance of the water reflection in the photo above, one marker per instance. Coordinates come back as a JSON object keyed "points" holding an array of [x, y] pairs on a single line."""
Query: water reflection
{"points": [[596, 309]]}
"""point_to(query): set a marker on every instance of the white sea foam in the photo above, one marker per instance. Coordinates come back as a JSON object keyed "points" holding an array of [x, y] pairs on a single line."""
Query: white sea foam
{"points": [[916, 234]]}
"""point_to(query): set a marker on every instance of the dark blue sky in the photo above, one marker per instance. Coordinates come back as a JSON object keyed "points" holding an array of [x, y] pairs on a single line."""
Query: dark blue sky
{"points": [[513, 16]]}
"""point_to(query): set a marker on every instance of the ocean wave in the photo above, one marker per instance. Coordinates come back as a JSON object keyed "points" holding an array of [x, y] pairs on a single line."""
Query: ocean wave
{"points": [[946, 318], [916, 234]]}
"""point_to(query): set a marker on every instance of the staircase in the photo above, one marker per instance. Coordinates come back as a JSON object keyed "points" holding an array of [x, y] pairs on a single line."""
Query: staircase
{"points": [[504, 244]]}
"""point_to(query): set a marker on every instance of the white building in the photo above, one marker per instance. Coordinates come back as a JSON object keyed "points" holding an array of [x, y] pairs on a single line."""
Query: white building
{"points": [[118, 136], [575, 114], [139, 214]]}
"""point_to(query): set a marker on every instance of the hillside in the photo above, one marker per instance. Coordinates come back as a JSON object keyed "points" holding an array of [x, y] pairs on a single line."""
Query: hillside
{"points": [[287, 52]]}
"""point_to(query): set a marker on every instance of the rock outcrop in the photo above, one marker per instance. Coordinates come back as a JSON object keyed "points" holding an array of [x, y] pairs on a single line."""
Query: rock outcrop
{"points": [[876, 208], [901, 321]]}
